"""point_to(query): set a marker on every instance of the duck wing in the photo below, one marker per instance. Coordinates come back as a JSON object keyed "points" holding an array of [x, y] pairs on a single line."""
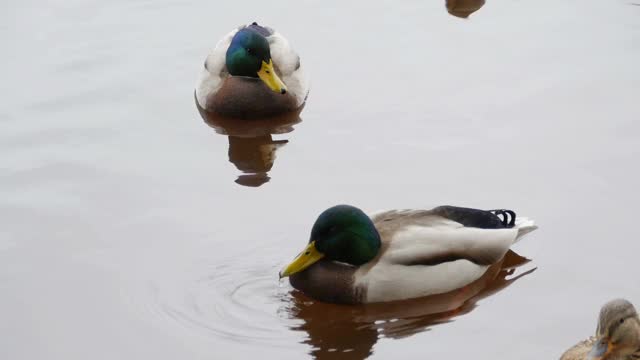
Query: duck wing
{"points": [[446, 234]]}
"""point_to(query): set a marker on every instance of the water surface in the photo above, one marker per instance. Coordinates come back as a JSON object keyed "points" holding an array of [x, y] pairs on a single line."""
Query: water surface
{"points": [[133, 229]]}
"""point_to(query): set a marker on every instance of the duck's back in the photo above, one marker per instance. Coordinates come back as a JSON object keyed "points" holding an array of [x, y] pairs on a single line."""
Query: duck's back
{"points": [[579, 351]]}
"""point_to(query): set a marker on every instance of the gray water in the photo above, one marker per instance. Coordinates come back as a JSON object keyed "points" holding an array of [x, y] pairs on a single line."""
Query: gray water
{"points": [[125, 233]]}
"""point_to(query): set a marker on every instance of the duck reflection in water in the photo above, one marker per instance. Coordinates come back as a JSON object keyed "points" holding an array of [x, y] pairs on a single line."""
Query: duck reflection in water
{"points": [[252, 148], [350, 331], [463, 8]]}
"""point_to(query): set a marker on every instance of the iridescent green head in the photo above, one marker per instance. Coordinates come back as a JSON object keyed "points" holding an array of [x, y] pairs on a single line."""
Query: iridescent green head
{"points": [[249, 55], [341, 233]]}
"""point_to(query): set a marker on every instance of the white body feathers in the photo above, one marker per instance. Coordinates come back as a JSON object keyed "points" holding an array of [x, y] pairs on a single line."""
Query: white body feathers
{"points": [[433, 238]]}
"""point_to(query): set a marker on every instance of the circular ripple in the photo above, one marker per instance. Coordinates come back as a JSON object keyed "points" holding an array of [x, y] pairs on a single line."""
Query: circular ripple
{"points": [[234, 300]]}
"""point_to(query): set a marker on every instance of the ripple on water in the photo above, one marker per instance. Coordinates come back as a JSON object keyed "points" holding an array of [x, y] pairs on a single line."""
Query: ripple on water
{"points": [[244, 302], [233, 300]]}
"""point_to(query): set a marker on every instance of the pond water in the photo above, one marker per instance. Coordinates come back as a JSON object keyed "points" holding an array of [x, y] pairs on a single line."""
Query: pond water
{"points": [[132, 229]]}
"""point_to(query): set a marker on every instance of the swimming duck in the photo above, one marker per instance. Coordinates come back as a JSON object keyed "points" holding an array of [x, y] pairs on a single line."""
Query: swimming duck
{"points": [[401, 254], [617, 336], [252, 72], [463, 8]]}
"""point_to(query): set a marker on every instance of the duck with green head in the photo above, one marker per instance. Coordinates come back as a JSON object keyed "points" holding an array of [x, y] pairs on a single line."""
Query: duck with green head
{"points": [[617, 335], [401, 254], [252, 72]]}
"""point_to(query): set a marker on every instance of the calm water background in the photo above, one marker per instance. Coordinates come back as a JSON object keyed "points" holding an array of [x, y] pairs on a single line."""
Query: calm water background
{"points": [[124, 234]]}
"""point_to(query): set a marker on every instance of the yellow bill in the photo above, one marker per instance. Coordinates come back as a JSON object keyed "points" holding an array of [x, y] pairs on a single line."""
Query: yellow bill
{"points": [[306, 258], [269, 77]]}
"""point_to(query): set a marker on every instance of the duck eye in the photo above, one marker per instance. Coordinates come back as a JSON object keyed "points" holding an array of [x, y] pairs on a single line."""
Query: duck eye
{"points": [[621, 321], [250, 50]]}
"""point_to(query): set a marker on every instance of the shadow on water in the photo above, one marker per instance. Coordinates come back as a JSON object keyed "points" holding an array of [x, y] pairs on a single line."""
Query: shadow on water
{"points": [[252, 148], [463, 8], [350, 332]]}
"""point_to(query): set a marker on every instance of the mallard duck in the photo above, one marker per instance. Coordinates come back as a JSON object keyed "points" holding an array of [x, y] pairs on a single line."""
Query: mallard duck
{"points": [[252, 72], [463, 8], [401, 254], [617, 336]]}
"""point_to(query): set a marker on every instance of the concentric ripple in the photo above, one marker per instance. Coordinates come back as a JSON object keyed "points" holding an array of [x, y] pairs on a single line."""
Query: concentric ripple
{"points": [[239, 298], [235, 300]]}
